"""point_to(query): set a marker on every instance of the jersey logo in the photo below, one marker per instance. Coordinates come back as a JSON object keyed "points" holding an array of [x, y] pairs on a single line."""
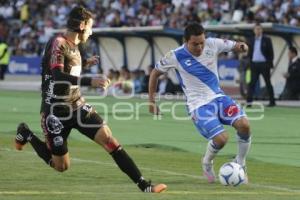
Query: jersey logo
{"points": [[209, 53], [188, 62], [231, 110]]}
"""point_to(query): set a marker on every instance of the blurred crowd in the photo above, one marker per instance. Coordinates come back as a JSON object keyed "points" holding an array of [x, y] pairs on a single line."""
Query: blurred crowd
{"points": [[30, 21], [26, 25], [136, 82]]}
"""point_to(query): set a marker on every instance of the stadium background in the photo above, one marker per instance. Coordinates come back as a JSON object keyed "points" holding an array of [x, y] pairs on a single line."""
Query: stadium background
{"points": [[27, 25], [170, 151]]}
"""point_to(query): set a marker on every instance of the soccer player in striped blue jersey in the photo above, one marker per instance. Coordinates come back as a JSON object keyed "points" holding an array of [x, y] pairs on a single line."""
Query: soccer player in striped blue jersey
{"points": [[195, 64]]}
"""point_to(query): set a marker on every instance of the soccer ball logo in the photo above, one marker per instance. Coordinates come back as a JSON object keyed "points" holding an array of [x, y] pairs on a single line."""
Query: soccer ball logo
{"points": [[231, 174]]}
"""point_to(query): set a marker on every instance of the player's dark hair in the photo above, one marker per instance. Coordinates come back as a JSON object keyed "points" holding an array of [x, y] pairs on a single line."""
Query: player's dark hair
{"points": [[76, 16], [193, 28], [293, 50]]}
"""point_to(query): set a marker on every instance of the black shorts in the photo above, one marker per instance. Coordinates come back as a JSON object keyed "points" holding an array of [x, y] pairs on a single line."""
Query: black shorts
{"points": [[57, 127]]}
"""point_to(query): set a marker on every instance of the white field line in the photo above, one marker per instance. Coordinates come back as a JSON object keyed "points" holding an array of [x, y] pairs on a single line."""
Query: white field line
{"points": [[35, 192], [214, 193], [189, 175], [277, 188]]}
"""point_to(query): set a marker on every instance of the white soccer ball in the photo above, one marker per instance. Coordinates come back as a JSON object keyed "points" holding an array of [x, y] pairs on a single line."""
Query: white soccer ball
{"points": [[232, 174]]}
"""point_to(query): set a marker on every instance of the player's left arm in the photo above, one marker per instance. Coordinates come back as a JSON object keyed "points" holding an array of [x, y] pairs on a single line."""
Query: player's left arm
{"points": [[153, 81], [240, 47], [85, 59], [57, 61], [225, 45], [86, 63]]}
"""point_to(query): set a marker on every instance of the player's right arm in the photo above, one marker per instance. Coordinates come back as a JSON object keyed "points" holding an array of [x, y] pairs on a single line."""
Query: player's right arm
{"points": [[152, 91], [161, 67]]}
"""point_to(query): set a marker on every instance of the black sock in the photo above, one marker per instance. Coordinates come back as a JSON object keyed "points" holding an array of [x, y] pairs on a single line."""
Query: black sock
{"points": [[41, 149], [143, 184], [127, 165]]}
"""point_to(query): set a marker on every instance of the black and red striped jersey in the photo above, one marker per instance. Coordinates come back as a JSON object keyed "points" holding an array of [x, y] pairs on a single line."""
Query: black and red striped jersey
{"points": [[63, 54]]}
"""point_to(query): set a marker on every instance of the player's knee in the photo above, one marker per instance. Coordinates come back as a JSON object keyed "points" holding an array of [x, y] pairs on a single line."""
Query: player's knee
{"points": [[111, 144], [242, 125], [104, 137], [221, 140]]}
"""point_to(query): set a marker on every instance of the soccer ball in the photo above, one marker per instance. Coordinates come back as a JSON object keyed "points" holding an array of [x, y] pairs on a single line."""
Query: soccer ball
{"points": [[232, 174]]}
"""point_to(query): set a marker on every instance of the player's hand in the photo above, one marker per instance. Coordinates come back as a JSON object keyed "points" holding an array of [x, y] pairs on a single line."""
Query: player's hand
{"points": [[100, 82], [92, 61], [153, 108]]}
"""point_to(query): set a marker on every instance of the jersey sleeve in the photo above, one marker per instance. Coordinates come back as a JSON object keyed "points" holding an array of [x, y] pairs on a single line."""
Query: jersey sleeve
{"points": [[57, 53], [223, 45], [167, 62]]}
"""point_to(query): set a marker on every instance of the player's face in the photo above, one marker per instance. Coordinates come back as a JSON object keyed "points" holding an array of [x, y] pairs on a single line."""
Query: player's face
{"points": [[195, 44], [88, 31]]}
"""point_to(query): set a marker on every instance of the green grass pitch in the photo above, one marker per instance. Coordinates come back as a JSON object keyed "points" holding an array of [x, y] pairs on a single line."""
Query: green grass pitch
{"points": [[166, 150]]}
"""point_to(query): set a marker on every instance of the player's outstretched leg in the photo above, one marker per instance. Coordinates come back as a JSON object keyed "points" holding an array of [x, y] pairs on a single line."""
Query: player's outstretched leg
{"points": [[127, 165], [123, 160], [25, 135]]}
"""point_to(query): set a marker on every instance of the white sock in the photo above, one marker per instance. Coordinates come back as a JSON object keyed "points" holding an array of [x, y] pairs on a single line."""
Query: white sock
{"points": [[211, 152], [243, 149]]}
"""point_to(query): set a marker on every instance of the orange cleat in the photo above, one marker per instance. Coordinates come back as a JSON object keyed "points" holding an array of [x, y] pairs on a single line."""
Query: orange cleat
{"points": [[158, 188]]}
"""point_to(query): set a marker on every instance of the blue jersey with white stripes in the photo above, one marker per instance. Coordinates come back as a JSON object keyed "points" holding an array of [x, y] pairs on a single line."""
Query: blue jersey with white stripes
{"points": [[198, 76]]}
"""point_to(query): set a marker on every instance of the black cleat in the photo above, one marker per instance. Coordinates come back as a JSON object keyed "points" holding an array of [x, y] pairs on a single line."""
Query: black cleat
{"points": [[24, 134]]}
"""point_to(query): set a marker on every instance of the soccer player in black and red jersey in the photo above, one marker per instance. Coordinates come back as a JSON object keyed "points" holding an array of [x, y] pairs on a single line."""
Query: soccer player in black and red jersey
{"points": [[63, 107]]}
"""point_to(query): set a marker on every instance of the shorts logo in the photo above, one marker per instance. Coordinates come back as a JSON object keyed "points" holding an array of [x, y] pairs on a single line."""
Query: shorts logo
{"points": [[53, 124], [231, 110], [58, 141], [87, 108]]}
